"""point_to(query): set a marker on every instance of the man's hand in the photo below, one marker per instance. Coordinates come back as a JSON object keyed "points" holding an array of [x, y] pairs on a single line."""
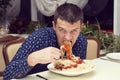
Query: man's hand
{"points": [[43, 56]]}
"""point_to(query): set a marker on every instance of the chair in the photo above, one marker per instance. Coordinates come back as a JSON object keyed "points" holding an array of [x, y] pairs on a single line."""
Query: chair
{"points": [[93, 47], [3, 40], [10, 48]]}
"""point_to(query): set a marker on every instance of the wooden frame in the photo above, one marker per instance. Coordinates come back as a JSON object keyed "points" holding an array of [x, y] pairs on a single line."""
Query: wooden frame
{"points": [[8, 38]]}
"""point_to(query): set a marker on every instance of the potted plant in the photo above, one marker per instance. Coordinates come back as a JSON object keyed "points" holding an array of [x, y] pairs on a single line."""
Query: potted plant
{"points": [[115, 45], [34, 25], [109, 41]]}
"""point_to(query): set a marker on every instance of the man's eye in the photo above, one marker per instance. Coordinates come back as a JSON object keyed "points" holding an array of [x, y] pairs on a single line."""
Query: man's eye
{"points": [[61, 30], [74, 31]]}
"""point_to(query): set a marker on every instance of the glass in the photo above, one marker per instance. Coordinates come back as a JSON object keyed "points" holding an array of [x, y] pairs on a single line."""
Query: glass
{"points": [[3, 29]]}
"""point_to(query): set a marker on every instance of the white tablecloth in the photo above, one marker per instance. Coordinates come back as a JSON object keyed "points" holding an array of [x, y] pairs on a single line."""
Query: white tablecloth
{"points": [[105, 70]]}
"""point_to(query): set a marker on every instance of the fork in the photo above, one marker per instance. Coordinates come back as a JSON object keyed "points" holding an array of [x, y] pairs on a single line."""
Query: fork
{"points": [[62, 54], [41, 77], [109, 60]]}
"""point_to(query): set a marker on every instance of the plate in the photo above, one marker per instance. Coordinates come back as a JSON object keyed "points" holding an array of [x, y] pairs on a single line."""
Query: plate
{"points": [[115, 56], [88, 66]]}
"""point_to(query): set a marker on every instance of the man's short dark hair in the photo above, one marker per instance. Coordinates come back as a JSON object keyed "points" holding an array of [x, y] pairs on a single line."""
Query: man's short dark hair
{"points": [[68, 12]]}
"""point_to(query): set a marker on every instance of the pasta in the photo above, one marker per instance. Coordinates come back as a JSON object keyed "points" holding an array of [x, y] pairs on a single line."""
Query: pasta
{"points": [[70, 61]]}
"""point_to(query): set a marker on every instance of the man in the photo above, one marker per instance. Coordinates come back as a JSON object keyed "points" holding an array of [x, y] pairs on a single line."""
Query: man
{"points": [[43, 46]]}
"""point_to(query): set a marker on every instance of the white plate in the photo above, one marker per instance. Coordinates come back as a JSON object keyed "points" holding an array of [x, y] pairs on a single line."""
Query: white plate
{"points": [[115, 56], [90, 67]]}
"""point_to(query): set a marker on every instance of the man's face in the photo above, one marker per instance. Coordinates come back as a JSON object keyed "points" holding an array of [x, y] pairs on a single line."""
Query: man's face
{"points": [[66, 31]]}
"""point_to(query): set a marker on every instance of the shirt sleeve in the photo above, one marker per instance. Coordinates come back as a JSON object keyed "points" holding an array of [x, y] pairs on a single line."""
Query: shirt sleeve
{"points": [[16, 69], [19, 67]]}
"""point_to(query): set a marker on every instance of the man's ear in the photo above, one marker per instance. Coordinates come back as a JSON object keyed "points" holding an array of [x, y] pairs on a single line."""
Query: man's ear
{"points": [[53, 23], [81, 26]]}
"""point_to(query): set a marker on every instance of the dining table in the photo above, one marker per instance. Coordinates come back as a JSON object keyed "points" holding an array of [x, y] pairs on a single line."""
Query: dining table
{"points": [[104, 70]]}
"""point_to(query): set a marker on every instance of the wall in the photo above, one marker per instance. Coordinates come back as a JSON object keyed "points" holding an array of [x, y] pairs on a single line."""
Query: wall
{"points": [[117, 17]]}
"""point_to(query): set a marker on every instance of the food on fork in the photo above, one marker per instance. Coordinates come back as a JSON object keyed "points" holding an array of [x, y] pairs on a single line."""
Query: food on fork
{"points": [[67, 47], [70, 61]]}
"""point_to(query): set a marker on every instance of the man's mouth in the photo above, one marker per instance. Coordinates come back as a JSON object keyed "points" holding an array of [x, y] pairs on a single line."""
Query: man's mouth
{"points": [[71, 42], [67, 41]]}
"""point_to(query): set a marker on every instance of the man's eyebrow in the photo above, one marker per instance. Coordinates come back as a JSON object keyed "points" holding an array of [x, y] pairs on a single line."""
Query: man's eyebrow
{"points": [[76, 28], [60, 27]]}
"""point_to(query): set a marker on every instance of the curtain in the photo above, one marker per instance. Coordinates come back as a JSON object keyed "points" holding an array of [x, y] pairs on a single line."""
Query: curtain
{"points": [[13, 11], [48, 7]]}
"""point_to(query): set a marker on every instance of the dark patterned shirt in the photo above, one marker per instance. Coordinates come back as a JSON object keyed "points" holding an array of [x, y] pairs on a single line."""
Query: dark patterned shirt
{"points": [[39, 39]]}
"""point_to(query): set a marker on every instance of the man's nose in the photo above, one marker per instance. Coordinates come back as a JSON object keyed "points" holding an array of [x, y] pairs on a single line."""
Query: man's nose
{"points": [[68, 36]]}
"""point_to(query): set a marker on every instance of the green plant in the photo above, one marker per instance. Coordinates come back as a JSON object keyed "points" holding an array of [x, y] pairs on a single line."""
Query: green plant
{"points": [[90, 29], [105, 38], [109, 41], [34, 26], [115, 45]]}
